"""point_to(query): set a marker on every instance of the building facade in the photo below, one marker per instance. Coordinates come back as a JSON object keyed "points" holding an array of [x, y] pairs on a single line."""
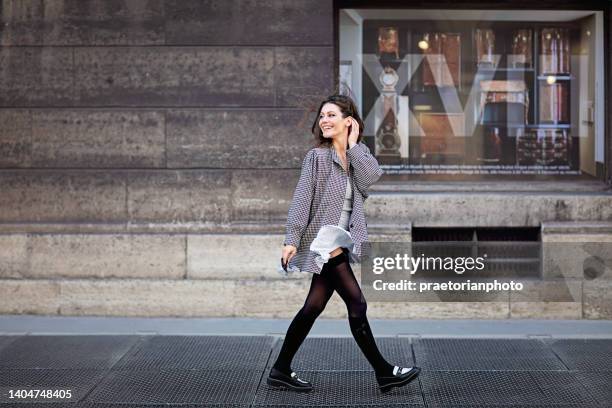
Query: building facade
{"points": [[149, 148]]}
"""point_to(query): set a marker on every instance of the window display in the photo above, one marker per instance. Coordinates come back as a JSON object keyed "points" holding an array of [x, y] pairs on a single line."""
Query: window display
{"points": [[476, 96]]}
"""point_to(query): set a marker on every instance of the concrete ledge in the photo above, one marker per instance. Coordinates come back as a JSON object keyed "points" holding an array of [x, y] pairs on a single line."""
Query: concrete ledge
{"points": [[272, 227], [183, 196], [577, 227], [487, 209], [140, 227], [413, 186]]}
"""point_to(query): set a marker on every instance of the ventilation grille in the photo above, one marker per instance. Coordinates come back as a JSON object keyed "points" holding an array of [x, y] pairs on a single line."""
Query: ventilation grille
{"points": [[531, 234], [513, 252]]}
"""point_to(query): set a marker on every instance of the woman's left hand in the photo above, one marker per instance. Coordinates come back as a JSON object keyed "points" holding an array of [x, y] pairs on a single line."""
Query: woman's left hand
{"points": [[354, 134]]}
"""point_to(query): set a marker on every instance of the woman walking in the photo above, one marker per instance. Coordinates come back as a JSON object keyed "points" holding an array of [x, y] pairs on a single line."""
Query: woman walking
{"points": [[325, 229]]}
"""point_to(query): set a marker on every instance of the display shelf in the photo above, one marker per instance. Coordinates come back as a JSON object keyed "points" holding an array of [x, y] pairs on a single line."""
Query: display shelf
{"points": [[481, 69], [504, 125], [550, 126], [557, 77], [528, 126]]}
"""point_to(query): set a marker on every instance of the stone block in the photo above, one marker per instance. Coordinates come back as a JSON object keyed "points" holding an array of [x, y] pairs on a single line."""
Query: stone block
{"points": [[438, 310], [558, 290], [15, 138], [303, 76], [62, 196], [39, 297], [14, 257], [562, 231], [179, 196], [77, 22], [546, 310], [123, 139], [249, 22], [580, 255], [279, 298], [262, 195], [174, 76], [36, 76], [234, 256], [147, 298], [251, 139], [104, 256], [562, 261], [547, 299], [597, 303]]}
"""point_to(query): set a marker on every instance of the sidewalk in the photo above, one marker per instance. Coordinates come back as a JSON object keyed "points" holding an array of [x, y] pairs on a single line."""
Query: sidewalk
{"points": [[111, 362]]}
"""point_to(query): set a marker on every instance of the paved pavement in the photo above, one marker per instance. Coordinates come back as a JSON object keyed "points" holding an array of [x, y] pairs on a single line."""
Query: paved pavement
{"points": [[128, 362]]}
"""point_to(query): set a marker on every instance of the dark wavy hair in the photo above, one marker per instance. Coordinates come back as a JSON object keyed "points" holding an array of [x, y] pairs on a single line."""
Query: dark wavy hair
{"points": [[347, 107]]}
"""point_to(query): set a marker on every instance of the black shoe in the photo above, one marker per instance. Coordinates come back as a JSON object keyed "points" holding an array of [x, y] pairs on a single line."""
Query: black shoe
{"points": [[277, 378], [400, 377]]}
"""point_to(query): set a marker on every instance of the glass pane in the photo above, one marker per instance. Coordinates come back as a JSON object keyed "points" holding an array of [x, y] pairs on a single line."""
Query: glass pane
{"points": [[475, 93]]}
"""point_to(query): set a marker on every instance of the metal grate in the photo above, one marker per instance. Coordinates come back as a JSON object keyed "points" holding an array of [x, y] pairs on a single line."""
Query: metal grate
{"points": [[65, 351], [111, 405], [343, 354], [442, 234], [476, 388], [563, 387], [340, 388], [6, 340], [584, 354], [198, 352], [598, 385], [78, 381], [233, 387], [485, 354], [342, 406]]}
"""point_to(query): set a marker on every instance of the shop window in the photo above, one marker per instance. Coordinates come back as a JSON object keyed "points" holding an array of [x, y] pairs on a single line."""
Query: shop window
{"points": [[466, 94]]}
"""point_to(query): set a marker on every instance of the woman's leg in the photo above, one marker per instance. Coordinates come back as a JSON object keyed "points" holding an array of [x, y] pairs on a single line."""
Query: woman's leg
{"points": [[347, 287], [321, 289]]}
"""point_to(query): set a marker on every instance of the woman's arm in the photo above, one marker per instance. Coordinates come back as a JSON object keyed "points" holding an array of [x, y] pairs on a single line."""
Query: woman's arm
{"points": [[299, 211], [367, 170]]}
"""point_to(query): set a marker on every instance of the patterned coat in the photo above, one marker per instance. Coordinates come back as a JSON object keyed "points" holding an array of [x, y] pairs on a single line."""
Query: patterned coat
{"points": [[319, 196]]}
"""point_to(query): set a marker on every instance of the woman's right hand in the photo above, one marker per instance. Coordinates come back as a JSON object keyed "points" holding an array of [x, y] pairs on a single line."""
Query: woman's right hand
{"points": [[289, 252]]}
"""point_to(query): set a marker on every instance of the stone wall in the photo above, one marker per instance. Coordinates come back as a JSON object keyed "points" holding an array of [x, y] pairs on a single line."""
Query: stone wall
{"points": [[157, 111]]}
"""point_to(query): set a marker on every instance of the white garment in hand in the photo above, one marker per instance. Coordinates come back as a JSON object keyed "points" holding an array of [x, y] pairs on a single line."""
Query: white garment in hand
{"points": [[329, 238]]}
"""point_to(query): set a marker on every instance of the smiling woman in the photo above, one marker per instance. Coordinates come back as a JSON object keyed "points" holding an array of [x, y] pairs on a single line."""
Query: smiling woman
{"points": [[332, 188], [332, 120], [325, 229]]}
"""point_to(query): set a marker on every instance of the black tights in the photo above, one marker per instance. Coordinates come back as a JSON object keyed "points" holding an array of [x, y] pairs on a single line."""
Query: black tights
{"points": [[336, 275]]}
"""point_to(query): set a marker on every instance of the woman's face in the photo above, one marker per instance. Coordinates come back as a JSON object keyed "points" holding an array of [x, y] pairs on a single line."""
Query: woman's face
{"points": [[331, 122]]}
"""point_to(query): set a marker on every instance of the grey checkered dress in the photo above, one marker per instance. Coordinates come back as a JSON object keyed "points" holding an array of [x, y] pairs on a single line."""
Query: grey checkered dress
{"points": [[319, 196]]}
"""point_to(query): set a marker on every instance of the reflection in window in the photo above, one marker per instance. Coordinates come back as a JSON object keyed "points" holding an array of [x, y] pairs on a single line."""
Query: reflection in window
{"points": [[475, 92]]}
